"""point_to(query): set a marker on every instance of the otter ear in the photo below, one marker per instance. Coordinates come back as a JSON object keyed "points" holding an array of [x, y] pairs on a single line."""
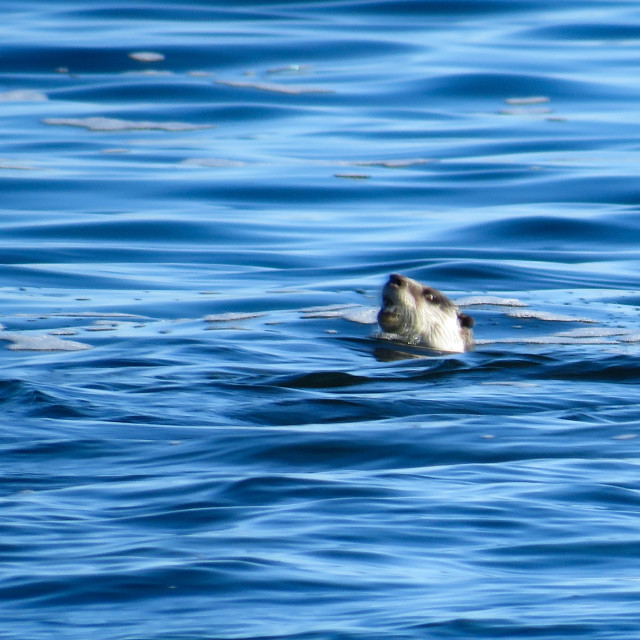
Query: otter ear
{"points": [[466, 321]]}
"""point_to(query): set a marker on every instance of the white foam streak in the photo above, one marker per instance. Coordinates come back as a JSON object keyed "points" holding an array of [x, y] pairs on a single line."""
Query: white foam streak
{"points": [[272, 87], [146, 56], [22, 342], [495, 301], [352, 313], [546, 316], [231, 317], [116, 124], [23, 95]]}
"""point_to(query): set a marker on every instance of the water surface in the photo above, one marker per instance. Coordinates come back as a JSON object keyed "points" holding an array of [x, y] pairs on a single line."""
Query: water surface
{"points": [[203, 434]]}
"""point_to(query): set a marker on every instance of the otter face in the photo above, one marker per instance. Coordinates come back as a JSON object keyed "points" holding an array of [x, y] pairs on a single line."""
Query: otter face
{"points": [[424, 315]]}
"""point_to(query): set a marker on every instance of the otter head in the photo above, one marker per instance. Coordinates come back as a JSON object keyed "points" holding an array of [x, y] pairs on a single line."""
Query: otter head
{"points": [[424, 315]]}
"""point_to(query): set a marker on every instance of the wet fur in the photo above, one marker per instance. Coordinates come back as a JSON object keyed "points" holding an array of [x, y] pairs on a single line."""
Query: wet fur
{"points": [[423, 315]]}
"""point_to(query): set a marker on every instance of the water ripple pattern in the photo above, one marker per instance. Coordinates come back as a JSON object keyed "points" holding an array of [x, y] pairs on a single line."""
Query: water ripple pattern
{"points": [[204, 436]]}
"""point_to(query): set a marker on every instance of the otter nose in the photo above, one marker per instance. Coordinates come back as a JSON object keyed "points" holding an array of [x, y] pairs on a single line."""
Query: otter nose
{"points": [[397, 279]]}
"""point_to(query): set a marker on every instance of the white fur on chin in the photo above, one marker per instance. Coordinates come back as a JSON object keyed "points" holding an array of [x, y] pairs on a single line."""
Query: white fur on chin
{"points": [[439, 329]]}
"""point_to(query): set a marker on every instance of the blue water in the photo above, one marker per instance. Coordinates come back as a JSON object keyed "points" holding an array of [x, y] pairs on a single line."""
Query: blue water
{"points": [[202, 435]]}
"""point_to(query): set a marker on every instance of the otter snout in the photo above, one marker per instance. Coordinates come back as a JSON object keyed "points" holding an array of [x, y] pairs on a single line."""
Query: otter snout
{"points": [[396, 280], [389, 317]]}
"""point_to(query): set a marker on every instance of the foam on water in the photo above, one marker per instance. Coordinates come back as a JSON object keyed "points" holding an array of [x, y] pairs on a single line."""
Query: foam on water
{"points": [[497, 301], [146, 56], [546, 316], [528, 100], [352, 312], [212, 162], [97, 123], [13, 166], [98, 314], [273, 87], [23, 95], [391, 164], [231, 317], [26, 342]]}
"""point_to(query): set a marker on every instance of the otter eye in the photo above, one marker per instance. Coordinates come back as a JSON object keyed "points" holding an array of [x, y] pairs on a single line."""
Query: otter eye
{"points": [[428, 295]]}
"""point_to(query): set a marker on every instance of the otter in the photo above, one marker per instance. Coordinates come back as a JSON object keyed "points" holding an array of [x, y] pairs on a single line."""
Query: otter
{"points": [[423, 315]]}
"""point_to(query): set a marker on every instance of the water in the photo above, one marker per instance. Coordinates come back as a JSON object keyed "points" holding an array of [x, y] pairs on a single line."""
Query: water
{"points": [[202, 436]]}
